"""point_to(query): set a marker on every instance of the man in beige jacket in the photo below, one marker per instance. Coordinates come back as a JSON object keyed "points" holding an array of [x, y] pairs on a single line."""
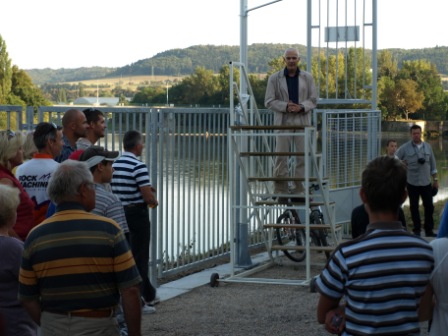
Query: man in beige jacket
{"points": [[291, 94]]}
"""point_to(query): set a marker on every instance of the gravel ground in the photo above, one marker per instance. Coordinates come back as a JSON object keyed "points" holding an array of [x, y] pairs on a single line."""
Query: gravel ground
{"points": [[243, 308]]}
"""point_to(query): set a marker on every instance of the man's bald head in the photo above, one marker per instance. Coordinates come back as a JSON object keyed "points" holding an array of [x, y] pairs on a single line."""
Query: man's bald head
{"points": [[70, 116]]}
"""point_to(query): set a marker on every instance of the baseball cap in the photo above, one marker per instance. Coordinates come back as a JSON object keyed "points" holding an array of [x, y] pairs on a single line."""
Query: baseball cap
{"points": [[96, 154]]}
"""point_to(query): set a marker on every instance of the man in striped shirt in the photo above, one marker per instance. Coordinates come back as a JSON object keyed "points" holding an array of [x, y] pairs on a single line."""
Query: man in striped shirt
{"points": [[76, 264], [383, 273], [99, 161], [131, 183]]}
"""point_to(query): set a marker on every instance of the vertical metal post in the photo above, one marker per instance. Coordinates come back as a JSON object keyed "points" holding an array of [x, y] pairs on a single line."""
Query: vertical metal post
{"points": [[243, 43], [151, 155], [309, 36], [374, 56]]}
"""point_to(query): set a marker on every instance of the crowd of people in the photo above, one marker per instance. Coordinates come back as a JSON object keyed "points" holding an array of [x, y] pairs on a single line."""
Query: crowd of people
{"points": [[74, 231]]}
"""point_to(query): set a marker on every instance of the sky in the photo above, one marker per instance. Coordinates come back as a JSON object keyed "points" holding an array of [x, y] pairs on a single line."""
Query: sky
{"points": [[111, 33]]}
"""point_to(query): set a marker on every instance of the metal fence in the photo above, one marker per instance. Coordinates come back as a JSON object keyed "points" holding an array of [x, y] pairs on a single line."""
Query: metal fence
{"points": [[350, 139], [187, 154]]}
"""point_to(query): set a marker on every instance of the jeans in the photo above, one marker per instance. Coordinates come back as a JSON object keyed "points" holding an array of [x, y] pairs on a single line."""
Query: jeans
{"points": [[140, 234], [415, 192]]}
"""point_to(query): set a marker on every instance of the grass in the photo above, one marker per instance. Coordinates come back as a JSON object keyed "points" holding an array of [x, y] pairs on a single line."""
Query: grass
{"points": [[438, 209]]}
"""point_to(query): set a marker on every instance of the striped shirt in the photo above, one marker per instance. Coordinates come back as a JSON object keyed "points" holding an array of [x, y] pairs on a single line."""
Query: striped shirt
{"points": [[382, 275], [76, 260], [130, 174], [109, 205]]}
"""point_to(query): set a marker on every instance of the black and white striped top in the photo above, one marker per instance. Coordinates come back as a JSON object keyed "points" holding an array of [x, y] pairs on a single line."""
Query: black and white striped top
{"points": [[129, 175], [382, 274]]}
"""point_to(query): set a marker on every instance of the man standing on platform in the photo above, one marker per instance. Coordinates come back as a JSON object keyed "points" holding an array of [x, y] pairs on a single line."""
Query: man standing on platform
{"points": [[421, 163], [131, 183], [291, 94]]}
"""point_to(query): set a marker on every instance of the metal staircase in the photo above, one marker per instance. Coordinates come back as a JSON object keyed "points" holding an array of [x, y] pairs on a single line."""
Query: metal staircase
{"points": [[251, 159]]}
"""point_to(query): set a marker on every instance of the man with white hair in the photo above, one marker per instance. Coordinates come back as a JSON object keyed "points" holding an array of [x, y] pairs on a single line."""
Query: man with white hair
{"points": [[76, 264], [291, 94]]}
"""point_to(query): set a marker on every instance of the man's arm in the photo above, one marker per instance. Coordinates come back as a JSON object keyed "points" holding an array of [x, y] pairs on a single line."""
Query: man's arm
{"points": [[328, 309], [271, 99], [325, 305], [33, 309], [432, 164], [132, 309], [426, 304], [148, 196]]}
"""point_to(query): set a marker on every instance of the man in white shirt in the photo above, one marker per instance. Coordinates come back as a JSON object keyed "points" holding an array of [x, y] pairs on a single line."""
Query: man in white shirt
{"points": [[34, 174]]}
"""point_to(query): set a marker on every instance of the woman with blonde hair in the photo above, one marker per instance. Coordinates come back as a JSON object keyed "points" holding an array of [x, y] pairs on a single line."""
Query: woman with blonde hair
{"points": [[11, 155], [29, 148], [16, 319]]}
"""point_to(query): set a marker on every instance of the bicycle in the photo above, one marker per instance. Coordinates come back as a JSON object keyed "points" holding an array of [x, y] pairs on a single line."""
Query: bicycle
{"points": [[296, 236]]}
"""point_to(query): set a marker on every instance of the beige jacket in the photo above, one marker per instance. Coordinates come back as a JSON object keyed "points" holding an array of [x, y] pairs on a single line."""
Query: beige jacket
{"points": [[277, 98]]}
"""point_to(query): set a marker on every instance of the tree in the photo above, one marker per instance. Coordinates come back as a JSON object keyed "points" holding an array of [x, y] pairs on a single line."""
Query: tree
{"points": [[5, 73], [429, 84], [386, 98], [149, 95], [387, 64], [81, 92], [62, 96], [199, 88], [408, 98], [23, 88]]}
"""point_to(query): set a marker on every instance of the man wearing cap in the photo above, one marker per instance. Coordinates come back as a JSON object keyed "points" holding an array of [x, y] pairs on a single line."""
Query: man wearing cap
{"points": [[99, 161], [131, 183], [291, 94], [35, 173], [96, 125]]}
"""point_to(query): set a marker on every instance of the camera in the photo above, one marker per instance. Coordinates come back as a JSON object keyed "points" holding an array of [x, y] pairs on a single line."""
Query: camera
{"points": [[336, 320], [421, 160]]}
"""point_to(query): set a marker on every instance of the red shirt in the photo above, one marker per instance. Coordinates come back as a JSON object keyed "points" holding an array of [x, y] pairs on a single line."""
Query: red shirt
{"points": [[25, 210]]}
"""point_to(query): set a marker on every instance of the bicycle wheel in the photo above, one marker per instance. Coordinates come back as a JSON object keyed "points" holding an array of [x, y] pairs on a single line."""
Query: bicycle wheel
{"points": [[316, 217], [291, 236]]}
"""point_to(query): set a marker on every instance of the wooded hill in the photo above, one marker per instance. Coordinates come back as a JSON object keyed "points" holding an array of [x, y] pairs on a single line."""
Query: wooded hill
{"points": [[181, 62]]}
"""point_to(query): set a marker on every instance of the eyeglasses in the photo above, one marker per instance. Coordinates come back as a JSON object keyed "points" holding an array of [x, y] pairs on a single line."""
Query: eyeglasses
{"points": [[10, 134], [89, 185], [51, 131], [291, 58]]}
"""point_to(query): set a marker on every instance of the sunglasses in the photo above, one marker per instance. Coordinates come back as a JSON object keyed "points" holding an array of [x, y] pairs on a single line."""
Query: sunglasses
{"points": [[10, 134]]}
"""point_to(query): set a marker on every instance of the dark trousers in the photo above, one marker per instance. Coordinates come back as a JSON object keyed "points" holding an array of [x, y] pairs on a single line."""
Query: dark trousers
{"points": [[415, 192], [140, 234]]}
